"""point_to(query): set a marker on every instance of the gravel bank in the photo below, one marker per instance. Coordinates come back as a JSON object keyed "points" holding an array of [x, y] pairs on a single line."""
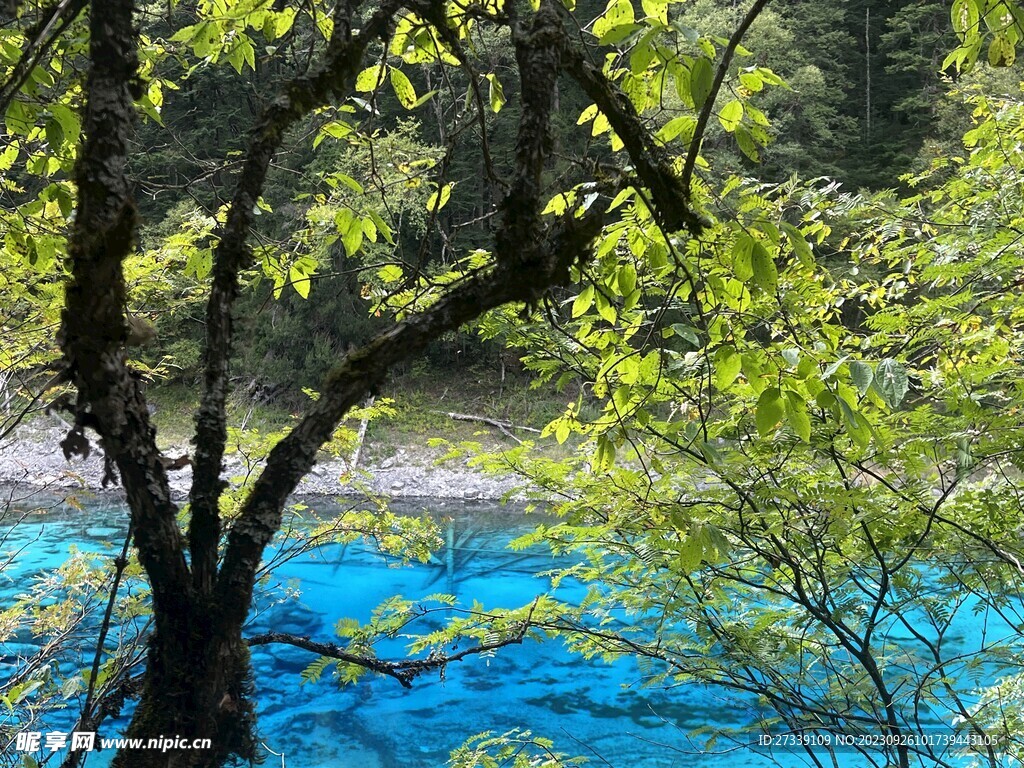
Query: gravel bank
{"points": [[33, 456]]}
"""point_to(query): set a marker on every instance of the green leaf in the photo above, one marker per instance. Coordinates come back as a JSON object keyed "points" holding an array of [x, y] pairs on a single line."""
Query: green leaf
{"points": [[495, 93], [587, 115], [753, 371], [300, 281], [424, 98], [656, 9], [747, 145], [619, 33], [857, 426], [627, 279], [187, 34], [617, 13], [439, 198], [199, 263], [348, 181], [19, 118], [731, 115], [583, 301], [752, 81], [250, 53], [403, 89], [765, 275], [351, 230], [861, 375], [369, 79], [728, 363], [604, 456], [965, 17], [620, 198], [68, 121], [9, 155], [1001, 51], [54, 135], [796, 414], [769, 411], [64, 201], [742, 256], [702, 77], [605, 309], [353, 238], [643, 54], [891, 382], [334, 129], [390, 273], [382, 226], [799, 244], [678, 126], [687, 332]]}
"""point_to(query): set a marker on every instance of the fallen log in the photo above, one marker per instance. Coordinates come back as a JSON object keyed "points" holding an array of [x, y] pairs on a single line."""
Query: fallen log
{"points": [[504, 426]]}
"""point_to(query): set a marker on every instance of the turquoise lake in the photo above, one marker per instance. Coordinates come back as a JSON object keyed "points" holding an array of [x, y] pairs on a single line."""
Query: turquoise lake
{"points": [[590, 709]]}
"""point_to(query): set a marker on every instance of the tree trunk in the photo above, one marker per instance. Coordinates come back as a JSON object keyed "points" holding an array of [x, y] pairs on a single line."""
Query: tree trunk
{"points": [[198, 676], [198, 686]]}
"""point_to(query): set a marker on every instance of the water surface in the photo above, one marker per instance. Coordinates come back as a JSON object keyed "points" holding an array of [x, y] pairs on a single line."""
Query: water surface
{"points": [[587, 708]]}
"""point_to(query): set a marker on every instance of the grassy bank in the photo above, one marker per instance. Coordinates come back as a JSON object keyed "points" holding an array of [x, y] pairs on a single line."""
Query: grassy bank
{"points": [[421, 403]]}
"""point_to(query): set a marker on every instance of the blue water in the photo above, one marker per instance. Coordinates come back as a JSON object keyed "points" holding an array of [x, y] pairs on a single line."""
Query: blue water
{"points": [[587, 708]]}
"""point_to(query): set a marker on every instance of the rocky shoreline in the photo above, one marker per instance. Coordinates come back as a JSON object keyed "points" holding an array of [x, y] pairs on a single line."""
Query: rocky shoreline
{"points": [[33, 457]]}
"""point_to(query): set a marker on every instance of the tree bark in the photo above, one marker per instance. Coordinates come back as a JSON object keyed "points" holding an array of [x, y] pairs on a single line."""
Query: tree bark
{"points": [[195, 684]]}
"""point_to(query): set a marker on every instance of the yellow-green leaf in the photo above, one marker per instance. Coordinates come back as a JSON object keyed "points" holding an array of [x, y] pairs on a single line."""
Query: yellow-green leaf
{"points": [[390, 273], [799, 419], [617, 13], [731, 115], [583, 301], [299, 281], [369, 78], [728, 363], [627, 279], [765, 274], [439, 199], [702, 77], [403, 88], [495, 93]]}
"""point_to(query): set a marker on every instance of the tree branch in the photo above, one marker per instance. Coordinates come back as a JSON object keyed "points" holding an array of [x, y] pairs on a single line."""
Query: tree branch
{"points": [[362, 370], [303, 94], [61, 17], [538, 59], [93, 329], [529, 259], [716, 86], [504, 426], [403, 671], [650, 161]]}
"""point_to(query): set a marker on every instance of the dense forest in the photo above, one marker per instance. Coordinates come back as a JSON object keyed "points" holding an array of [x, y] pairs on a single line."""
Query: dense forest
{"points": [[760, 261], [865, 102]]}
